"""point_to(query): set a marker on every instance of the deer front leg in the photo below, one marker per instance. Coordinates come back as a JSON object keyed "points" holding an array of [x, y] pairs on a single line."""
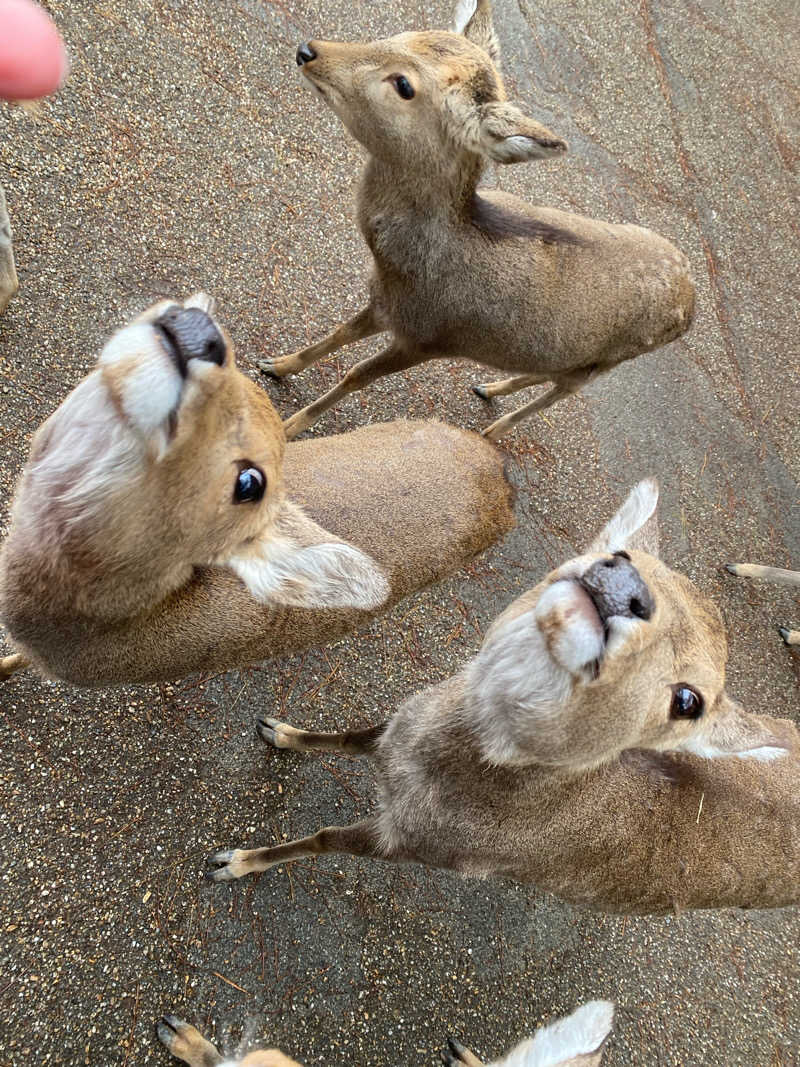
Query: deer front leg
{"points": [[351, 743], [8, 274], [359, 839], [456, 1053], [363, 325], [186, 1043], [391, 360]]}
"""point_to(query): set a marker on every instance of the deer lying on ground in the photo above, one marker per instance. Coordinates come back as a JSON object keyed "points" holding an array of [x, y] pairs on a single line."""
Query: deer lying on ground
{"points": [[8, 274], [770, 574], [576, 1041], [463, 272], [589, 748], [159, 529]]}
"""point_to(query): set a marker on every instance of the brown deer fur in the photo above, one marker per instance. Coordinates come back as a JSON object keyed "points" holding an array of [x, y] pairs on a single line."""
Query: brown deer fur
{"points": [[576, 1041], [458, 271], [560, 754], [128, 560]]}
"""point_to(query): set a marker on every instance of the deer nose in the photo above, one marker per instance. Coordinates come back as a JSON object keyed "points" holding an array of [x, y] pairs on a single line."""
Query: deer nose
{"points": [[305, 53], [191, 334], [617, 588]]}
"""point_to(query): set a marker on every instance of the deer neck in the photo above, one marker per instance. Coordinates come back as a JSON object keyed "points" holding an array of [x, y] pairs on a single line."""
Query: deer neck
{"points": [[441, 194]]}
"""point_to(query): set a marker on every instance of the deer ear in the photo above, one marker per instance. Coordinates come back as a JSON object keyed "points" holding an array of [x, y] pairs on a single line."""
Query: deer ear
{"points": [[300, 564], [473, 18], [509, 136], [576, 1041], [635, 525], [731, 731]]}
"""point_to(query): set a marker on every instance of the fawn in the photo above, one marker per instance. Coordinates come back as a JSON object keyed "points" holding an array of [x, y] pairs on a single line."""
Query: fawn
{"points": [[576, 1041], [770, 574], [159, 528], [589, 748], [474, 273]]}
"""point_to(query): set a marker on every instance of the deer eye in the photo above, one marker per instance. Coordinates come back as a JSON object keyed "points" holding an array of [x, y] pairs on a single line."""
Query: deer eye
{"points": [[686, 703], [403, 86], [250, 485]]}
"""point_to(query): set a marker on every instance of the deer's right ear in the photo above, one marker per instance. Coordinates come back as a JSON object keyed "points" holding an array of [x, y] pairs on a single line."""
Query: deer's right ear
{"points": [[635, 525], [507, 135], [473, 18]]}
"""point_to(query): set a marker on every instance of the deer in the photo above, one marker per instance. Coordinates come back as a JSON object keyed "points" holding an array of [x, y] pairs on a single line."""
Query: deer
{"points": [[9, 283], [575, 1041], [589, 748], [162, 527], [465, 272], [770, 574]]}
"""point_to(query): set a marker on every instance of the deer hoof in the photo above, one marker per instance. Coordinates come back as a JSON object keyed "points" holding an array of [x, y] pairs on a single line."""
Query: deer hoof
{"points": [[267, 366], [267, 730], [454, 1053], [784, 632], [226, 866], [480, 390]]}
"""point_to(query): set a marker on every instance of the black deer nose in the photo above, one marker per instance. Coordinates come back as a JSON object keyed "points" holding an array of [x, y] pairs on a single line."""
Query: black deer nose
{"points": [[191, 334], [617, 588], [305, 53]]}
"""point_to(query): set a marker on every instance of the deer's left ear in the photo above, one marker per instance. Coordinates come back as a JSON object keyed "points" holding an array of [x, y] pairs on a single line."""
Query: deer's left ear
{"points": [[635, 525], [473, 18], [507, 135]]}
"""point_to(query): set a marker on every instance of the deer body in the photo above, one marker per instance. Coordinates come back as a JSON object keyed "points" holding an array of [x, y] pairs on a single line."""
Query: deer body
{"points": [[445, 287], [460, 271], [589, 748], [631, 836], [147, 573]]}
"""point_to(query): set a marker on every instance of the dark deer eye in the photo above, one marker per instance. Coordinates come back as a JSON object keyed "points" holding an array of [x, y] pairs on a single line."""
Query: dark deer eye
{"points": [[250, 485], [686, 703], [403, 86]]}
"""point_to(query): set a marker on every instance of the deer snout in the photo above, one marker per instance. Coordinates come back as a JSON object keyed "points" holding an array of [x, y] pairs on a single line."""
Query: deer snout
{"points": [[305, 53], [189, 333], [617, 589]]}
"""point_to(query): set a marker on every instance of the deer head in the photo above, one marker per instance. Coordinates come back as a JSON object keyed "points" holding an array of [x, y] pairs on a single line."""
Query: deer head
{"points": [[167, 458], [428, 99], [612, 651]]}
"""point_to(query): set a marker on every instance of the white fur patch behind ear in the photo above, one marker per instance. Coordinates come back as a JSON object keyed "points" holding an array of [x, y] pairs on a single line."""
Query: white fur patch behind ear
{"points": [[764, 753], [634, 513], [565, 1041], [327, 575]]}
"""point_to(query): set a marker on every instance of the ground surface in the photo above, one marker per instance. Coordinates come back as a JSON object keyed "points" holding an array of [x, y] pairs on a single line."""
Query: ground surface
{"points": [[183, 154]]}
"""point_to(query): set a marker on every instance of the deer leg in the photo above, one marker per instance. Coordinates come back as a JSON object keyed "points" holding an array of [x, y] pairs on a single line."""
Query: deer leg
{"points": [[363, 325], [558, 392], [11, 664], [359, 839], [186, 1043], [456, 1053], [391, 360], [790, 637], [769, 574], [8, 274], [508, 385], [351, 743]]}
